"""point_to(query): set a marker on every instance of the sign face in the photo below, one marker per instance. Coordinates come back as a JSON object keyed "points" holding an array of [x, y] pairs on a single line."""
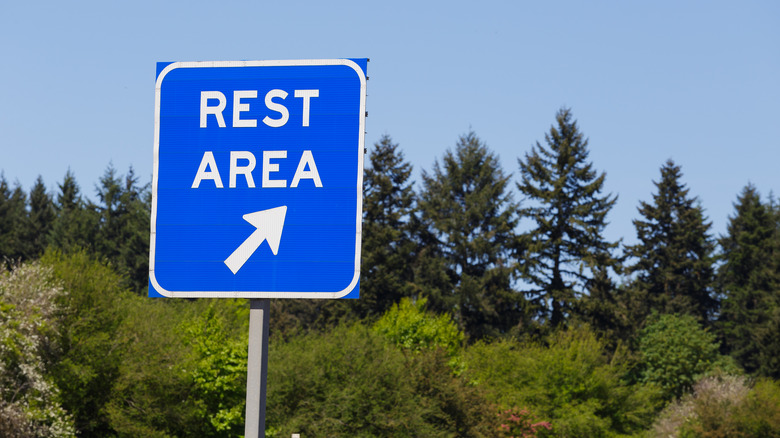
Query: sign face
{"points": [[258, 175]]}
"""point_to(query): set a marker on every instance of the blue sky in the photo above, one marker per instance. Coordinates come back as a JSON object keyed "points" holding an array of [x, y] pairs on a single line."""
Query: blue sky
{"points": [[698, 82]]}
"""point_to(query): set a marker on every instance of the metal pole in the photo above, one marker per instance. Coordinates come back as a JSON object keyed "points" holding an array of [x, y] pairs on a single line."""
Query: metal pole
{"points": [[257, 368]]}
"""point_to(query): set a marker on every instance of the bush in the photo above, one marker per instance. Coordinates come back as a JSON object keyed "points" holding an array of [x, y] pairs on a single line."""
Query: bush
{"points": [[409, 326], [30, 402], [675, 352], [572, 383], [723, 406], [351, 382]]}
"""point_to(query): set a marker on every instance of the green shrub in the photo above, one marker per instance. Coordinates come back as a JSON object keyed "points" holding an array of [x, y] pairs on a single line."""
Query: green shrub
{"points": [[408, 325], [675, 352], [30, 402], [723, 406], [351, 382], [572, 383]]}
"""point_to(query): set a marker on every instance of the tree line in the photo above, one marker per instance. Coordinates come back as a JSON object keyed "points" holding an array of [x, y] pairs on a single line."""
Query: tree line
{"points": [[456, 242]]}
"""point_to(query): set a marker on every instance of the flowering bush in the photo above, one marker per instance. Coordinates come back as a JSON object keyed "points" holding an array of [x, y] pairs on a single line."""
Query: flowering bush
{"points": [[517, 423]]}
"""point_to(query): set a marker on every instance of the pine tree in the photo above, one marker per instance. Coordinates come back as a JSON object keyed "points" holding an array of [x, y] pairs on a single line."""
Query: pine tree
{"points": [[674, 256], [749, 278], [13, 217], [123, 227], [567, 249], [75, 225], [388, 248], [109, 236], [467, 222], [136, 205], [39, 221]]}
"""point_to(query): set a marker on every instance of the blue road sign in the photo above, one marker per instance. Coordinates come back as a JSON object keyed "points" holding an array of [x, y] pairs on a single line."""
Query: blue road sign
{"points": [[258, 173]]}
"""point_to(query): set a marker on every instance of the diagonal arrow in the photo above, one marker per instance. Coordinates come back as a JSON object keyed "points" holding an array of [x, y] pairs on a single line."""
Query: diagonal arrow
{"points": [[269, 224]]}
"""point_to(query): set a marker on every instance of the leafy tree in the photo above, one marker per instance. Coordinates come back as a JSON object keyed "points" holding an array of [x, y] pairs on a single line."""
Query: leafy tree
{"points": [[90, 357], [749, 278], [30, 402], [676, 351], [674, 257], [566, 248], [218, 375], [467, 222], [388, 249]]}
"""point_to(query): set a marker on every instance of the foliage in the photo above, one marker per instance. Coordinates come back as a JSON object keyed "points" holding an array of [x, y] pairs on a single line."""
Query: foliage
{"points": [[91, 354], [408, 325], [723, 406], [572, 382], [520, 423], [351, 382], [30, 402], [182, 375], [674, 257], [675, 352], [566, 246], [218, 374], [467, 220]]}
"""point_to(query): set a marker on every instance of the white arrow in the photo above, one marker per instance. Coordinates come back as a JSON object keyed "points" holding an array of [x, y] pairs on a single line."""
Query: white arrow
{"points": [[269, 224]]}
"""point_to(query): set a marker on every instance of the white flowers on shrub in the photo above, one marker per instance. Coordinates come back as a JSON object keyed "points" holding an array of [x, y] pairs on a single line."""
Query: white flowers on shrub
{"points": [[29, 401]]}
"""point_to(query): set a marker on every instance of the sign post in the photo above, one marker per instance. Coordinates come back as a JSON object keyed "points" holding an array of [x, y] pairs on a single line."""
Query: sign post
{"points": [[257, 368], [257, 188]]}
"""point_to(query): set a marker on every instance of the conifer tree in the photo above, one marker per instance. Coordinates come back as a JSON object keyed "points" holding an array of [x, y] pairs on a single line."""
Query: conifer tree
{"points": [[467, 222], [749, 278], [109, 193], [674, 256], [566, 248], [388, 248], [13, 217], [39, 221], [75, 225], [123, 227]]}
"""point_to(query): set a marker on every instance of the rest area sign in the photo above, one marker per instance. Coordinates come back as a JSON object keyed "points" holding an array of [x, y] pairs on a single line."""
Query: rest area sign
{"points": [[258, 174]]}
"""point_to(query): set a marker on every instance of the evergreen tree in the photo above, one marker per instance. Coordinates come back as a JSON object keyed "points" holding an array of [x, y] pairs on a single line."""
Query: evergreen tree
{"points": [[749, 278], [388, 249], [75, 225], [13, 217], [674, 256], [467, 222], [123, 227], [110, 212], [39, 221], [136, 204], [567, 251]]}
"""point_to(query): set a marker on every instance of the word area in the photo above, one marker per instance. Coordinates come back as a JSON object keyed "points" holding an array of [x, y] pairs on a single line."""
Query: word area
{"points": [[243, 163]]}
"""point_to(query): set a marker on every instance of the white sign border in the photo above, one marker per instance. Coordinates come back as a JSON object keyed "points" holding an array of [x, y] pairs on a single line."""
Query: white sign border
{"points": [[358, 220]]}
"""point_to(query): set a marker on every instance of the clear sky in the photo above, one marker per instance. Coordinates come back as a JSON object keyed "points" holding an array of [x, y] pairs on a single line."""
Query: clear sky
{"points": [[695, 81]]}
